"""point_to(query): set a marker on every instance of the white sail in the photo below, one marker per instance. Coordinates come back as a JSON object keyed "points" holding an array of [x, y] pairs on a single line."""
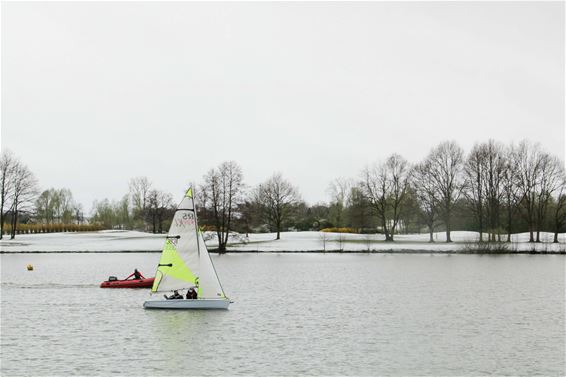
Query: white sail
{"points": [[209, 285]]}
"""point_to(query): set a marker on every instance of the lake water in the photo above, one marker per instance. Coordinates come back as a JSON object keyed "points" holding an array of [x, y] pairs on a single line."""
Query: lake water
{"points": [[336, 314]]}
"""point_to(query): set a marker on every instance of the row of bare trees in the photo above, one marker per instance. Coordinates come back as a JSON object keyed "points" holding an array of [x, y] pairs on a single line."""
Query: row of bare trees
{"points": [[143, 208], [226, 199], [496, 182], [501, 181], [435, 184], [224, 203], [18, 188], [151, 207], [57, 206], [503, 188]]}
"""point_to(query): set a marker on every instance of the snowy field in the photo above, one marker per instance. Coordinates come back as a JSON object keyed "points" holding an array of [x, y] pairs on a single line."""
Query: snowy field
{"points": [[132, 241], [103, 241]]}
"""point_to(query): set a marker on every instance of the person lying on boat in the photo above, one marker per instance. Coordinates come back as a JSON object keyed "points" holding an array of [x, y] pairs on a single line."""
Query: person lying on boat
{"points": [[175, 296], [192, 294], [136, 274]]}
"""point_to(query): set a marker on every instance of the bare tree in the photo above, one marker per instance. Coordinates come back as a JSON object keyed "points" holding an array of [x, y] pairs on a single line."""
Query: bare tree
{"points": [[152, 206], [510, 190], [473, 170], [164, 204], [248, 213], [427, 197], [24, 191], [223, 192], [527, 160], [102, 213], [55, 205], [276, 198], [493, 176], [358, 209], [445, 162], [385, 186], [139, 193], [549, 180], [78, 213], [339, 189], [44, 206], [157, 204], [560, 209], [7, 165], [63, 205], [122, 212]]}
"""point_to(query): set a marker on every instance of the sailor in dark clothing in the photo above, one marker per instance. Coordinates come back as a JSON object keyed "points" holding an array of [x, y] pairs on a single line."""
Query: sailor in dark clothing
{"points": [[192, 294], [175, 296], [136, 274]]}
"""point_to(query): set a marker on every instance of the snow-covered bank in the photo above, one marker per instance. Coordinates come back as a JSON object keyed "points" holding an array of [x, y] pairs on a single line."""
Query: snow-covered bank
{"points": [[102, 241], [132, 241], [318, 241]]}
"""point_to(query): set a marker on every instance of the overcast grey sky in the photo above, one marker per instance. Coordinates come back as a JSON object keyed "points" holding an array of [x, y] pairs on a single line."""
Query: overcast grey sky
{"points": [[96, 93]]}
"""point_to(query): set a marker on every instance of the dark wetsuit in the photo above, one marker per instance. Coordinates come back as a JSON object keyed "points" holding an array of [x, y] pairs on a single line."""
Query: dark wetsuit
{"points": [[137, 275]]}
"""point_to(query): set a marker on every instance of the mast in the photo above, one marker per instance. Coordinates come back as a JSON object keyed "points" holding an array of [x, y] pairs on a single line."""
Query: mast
{"points": [[196, 221]]}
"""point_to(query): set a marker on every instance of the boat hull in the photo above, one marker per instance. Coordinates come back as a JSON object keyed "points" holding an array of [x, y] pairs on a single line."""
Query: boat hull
{"points": [[140, 283], [187, 304]]}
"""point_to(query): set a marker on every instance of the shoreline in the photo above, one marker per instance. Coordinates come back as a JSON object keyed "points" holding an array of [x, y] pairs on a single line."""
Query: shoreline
{"points": [[291, 242], [390, 251]]}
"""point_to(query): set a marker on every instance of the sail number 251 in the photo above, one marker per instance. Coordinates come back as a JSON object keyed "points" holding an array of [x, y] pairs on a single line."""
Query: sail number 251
{"points": [[188, 218]]}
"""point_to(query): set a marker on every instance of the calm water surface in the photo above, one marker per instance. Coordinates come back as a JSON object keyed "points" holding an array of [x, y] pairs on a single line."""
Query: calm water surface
{"points": [[338, 314]]}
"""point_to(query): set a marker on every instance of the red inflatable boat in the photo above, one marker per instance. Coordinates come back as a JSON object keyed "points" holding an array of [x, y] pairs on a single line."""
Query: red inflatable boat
{"points": [[132, 283]]}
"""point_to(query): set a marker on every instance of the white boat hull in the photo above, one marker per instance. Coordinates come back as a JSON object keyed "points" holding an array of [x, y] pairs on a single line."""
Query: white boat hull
{"points": [[187, 304]]}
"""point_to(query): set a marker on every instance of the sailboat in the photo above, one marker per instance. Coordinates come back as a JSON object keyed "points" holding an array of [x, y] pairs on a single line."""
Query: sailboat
{"points": [[185, 264]]}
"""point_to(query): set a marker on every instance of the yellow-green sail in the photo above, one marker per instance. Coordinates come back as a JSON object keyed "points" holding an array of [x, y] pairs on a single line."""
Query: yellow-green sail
{"points": [[172, 265]]}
